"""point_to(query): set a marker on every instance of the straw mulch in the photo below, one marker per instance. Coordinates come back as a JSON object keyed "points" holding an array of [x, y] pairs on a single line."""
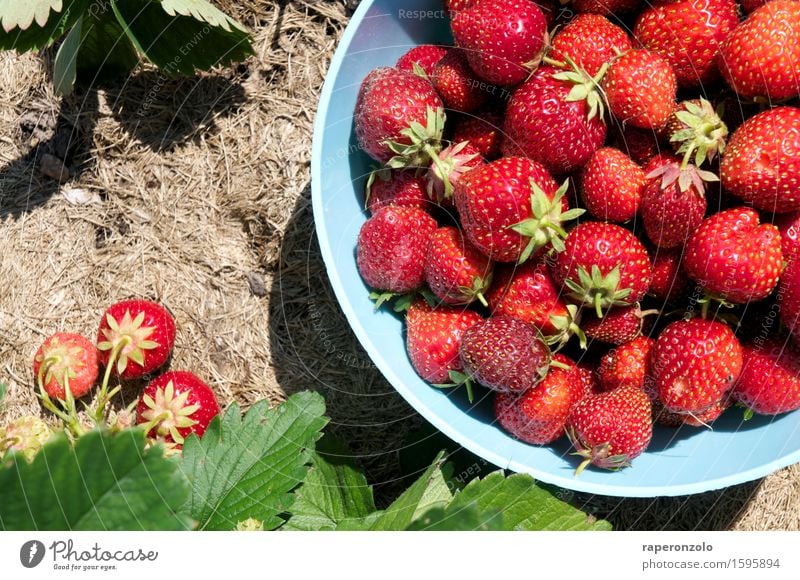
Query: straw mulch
{"points": [[195, 193]]}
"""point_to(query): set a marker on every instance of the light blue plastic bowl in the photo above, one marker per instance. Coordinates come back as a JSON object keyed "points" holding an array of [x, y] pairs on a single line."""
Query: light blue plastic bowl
{"points": [[676, 463]]}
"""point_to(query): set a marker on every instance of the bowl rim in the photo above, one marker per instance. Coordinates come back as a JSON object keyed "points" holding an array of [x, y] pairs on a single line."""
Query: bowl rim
{"points": [[462, 439]]}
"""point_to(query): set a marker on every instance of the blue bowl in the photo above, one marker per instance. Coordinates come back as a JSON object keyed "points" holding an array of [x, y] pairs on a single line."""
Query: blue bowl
{"points": [[685, 461]]}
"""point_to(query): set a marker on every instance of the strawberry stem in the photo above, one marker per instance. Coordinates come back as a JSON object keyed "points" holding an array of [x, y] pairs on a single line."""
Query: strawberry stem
{"points": [[103, 396], [69, 414]]}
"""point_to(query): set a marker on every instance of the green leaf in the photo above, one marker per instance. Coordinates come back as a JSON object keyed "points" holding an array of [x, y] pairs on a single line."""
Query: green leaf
{"points": [[64, 67], [33, 24], [182, 36], [463, 519], [104, 482], [522, 505], [333, 492], [3, 391], [246, 467], [106, 51]]}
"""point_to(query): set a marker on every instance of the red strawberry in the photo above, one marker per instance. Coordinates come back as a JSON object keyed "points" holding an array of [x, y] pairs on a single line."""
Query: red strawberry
{"points": [[761, 164], [789, 226], [611, 185], [673, 200], [482, 131], [611, 429], [504, 354], [555, 118], [433, 336], [391, 250], [619, 325], [695, 362], [688, 34], [456, 84], [591, 386], [390, 103], [512, 207], [696, 131], [735, 257], [591, 41], [504, 39], [425, 56], [393, 187], [670, 281], [538, 415], [136, 337], [626, 365], [770, 379], [640, 88], [66, 360], [606, 7], [175, 405], [761, 57], [641, 144], [447, 167], [455, 271], [788, 296], [603, 265], [704, 419]]}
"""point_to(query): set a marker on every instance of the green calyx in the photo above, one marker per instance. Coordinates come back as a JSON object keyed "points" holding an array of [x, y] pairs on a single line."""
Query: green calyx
{"points": [[703, 133], [599, 455], [476, 292], [382, 173], [546, 223], [425, 142], [566, 326], [585, 88], [458, 379], [452, 161], [686, 177], [598, 290]]}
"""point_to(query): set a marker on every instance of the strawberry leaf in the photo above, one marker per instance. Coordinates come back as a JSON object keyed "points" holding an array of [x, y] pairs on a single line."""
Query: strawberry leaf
{"points": [[35, 24], [246, 467], [64, 67], [104, 481], [465, 519]]}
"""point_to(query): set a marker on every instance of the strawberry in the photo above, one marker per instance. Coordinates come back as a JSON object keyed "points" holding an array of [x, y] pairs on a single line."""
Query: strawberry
{"points": [[770, 379], [640, 88], [433, 336], [611, 185], [696, 131], [591, 386], [704, 419], [24, 435], [391, 248], [538, 415], [734, 256], [66, 361], [640, 144], [455, 6], [399, 118], [447, 167], [761, 164], [694, 363], [673, 200], [761, 57], [619, 325], [670, 281], [591, 41], [455, 271], [394, 187], [688, 34], [136, 337], [175, 405], [456, 84], [603, 265], [504, 354], [789, 226], [511, 207], [788, 296], [611, 429], [425, 56], [605, 7], [626, 365], [482, 131], [504, 39], [556, 118]]}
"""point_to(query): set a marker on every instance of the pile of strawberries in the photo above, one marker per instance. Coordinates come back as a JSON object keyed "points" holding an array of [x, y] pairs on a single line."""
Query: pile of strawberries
{"points": [[597, 223]]}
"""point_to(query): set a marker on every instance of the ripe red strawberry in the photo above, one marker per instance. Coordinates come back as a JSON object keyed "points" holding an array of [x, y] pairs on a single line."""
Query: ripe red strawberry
{"points": [[696, 131], [605, 7], [482, 130], [611, 429], [390, 102], [556, 118], [641, 144], [538, 415], [734, 256], [512, 207], [789, 226], [611, 185], [66, 360], [391, 250], [640, 88], [455, 271], [770, 379], [504, 39], [673, 200], [626, 365], [447, 168], [603, 265], [761, 57], [456, 84], [433, 336], [670, 281], [175, 405], [761, 164], [704, 419], [621, 324], [695, 362], [393, 187], [591, 41], [136, 337], [504, 354], [591, 386], [425, 56], [788, 296], [688, 34]]}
